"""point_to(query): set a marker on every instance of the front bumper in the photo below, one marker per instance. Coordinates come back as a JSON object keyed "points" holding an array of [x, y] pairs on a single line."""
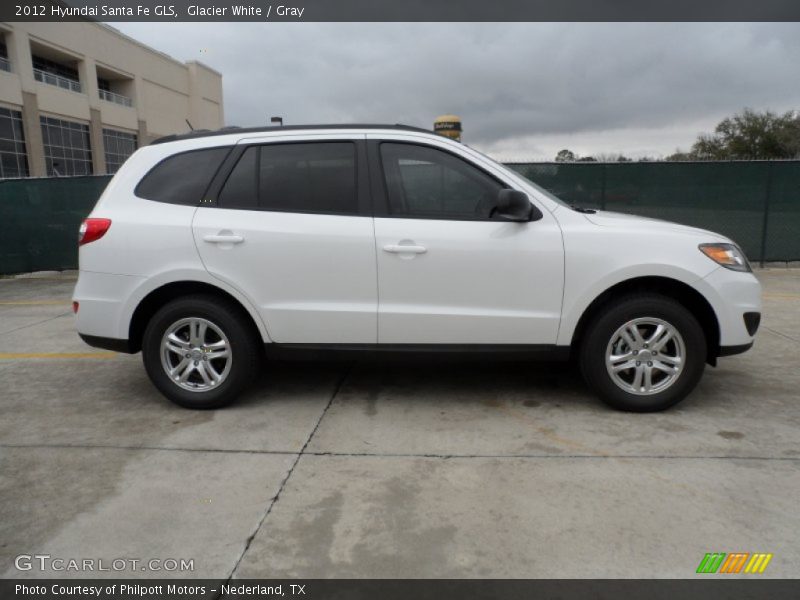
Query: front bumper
{"points": [[732, 295], [732, 350]]}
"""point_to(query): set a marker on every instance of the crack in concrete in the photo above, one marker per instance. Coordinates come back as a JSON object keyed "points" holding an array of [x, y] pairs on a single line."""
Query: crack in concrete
{"points": [[277, 495], [37, 323], [149, 448], [394, 454], [783, 335]]}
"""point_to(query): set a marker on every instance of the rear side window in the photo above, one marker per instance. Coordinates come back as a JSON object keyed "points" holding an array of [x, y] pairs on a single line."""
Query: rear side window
{"points": [[306, 177], [182, 178]]}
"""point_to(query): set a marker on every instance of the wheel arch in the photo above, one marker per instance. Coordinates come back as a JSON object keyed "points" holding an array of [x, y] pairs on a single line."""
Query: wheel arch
{"points": [[682, 292], [159, 296]]}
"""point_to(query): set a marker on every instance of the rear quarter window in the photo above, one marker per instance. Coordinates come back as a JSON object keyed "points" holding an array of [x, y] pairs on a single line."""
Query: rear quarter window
{"points": [[182, 178]]}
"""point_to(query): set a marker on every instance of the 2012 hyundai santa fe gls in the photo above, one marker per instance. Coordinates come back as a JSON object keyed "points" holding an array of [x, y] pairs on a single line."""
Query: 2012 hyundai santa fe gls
{"points": [[207, 249]]}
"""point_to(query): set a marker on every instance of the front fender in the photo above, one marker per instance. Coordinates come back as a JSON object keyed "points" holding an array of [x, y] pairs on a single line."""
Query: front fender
{"points": [[579, 295]]}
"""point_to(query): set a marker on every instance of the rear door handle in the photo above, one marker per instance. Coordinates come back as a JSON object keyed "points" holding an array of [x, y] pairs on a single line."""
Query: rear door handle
{"points": [[223, 239], [404, 249]]}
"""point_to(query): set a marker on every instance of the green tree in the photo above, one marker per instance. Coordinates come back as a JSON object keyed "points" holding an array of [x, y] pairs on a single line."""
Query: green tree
{"points": [[751, 135], [790, 135], [612, 157], [679, 156], [566, 156]]}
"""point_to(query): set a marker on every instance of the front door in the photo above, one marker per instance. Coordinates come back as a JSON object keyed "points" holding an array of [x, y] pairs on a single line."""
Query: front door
{"points": [[449, 271]]}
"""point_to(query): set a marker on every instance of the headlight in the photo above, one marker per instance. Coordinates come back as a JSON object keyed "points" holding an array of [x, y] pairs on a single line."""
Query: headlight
{"points": [[729, 256]]}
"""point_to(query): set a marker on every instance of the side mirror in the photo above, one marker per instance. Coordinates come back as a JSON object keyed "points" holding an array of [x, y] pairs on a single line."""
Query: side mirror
{"points": [[513, 205]]}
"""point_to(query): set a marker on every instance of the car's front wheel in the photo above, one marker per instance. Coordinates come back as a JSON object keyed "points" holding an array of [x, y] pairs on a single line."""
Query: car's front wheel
{"points": [[200, 351], [644, 353]]}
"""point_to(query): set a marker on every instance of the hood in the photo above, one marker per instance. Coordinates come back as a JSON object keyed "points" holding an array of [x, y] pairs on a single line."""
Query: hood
{"points": [[614, 219]]}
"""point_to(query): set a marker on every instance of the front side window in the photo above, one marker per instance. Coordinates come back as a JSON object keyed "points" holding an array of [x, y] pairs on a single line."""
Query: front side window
{"points": [[425, 182], [305, 177], [182, 178]]}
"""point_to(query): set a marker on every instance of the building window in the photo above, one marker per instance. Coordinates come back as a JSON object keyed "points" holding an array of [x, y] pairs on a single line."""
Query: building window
{"points": [[13, 159], [56, 68], [67, 149], [55, 73], [5, 65], [118, 145]]}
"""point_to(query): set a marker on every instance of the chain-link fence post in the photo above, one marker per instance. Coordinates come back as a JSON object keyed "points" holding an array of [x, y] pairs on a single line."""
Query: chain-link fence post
{"points": [[767, 194], [603, 186]]}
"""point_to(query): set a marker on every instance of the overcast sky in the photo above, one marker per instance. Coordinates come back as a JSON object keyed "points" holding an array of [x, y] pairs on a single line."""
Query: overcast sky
{"points": [[523, 90]]}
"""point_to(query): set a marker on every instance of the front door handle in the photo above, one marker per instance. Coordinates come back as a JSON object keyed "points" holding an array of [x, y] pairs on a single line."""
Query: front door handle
{"points": [[404, 249], [223, 239]]}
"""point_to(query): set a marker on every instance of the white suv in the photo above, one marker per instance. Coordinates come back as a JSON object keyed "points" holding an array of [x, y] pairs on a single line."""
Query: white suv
{"points": [[208, 251]]}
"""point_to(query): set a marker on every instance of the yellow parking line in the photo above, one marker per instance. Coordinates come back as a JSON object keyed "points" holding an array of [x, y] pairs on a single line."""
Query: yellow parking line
{"points": [[19, 355], [34, 302]]}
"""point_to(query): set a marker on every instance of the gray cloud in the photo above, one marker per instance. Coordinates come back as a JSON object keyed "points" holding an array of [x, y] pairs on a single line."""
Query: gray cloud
{"points": [[523, 88]]}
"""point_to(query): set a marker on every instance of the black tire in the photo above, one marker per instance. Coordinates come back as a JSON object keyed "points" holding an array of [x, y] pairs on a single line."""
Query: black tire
{"points": [[619, 312], [244, 346]]}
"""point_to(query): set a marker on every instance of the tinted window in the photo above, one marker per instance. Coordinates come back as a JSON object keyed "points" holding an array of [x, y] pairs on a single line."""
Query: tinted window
{"points": [[240, 188], [315, 177], [425, 182], [182, 178], [309, 177]]}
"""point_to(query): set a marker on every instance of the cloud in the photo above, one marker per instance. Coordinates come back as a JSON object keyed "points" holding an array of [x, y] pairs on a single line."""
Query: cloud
{"points": [[521, 88]]}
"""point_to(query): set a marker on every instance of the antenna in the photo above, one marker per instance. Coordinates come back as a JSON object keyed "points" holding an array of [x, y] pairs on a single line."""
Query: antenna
{"points": [[278, 120], [189, 124]]}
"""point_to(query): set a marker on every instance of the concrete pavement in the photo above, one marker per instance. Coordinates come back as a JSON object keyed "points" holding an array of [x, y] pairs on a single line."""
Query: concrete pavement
{"points": [[404, 470]]}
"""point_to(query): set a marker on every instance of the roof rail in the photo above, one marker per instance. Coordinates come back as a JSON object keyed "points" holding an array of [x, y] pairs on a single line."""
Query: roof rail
{"points": [[201, 133]]}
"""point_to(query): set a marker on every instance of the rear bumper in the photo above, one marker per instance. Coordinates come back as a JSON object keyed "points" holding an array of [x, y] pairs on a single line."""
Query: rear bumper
{"points": [[113, 344], [102, 298]]}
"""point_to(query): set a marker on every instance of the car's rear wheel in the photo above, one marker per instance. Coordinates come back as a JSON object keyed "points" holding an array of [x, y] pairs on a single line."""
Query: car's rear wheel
{"points": [[200, 351], [644, 353]]}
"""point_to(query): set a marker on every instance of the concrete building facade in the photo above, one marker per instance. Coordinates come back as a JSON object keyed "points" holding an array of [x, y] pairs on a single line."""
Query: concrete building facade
{"points": [[78, 98]]}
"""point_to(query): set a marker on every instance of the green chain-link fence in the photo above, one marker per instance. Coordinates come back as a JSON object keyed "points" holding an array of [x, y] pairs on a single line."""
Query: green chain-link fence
{"points": [[39, 221], [755, 203]]}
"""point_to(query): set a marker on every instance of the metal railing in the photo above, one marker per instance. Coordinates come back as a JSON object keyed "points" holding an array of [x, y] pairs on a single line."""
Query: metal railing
{"points": [[5, 64], [57, 80], [109, 96]]}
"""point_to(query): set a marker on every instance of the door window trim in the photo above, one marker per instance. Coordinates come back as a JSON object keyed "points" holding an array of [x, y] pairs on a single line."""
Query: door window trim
{"points": [[362, 188], [380, 191]]}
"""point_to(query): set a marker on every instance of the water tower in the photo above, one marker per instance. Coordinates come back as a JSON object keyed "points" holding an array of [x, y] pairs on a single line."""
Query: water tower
{"points": [[448, 126]]}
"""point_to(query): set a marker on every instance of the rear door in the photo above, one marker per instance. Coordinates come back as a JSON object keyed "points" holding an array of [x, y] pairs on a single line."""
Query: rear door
{"points": [[291, 228]]}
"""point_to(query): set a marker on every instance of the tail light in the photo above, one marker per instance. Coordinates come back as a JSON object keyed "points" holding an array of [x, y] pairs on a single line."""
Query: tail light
{"points": [[92, 230]]}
